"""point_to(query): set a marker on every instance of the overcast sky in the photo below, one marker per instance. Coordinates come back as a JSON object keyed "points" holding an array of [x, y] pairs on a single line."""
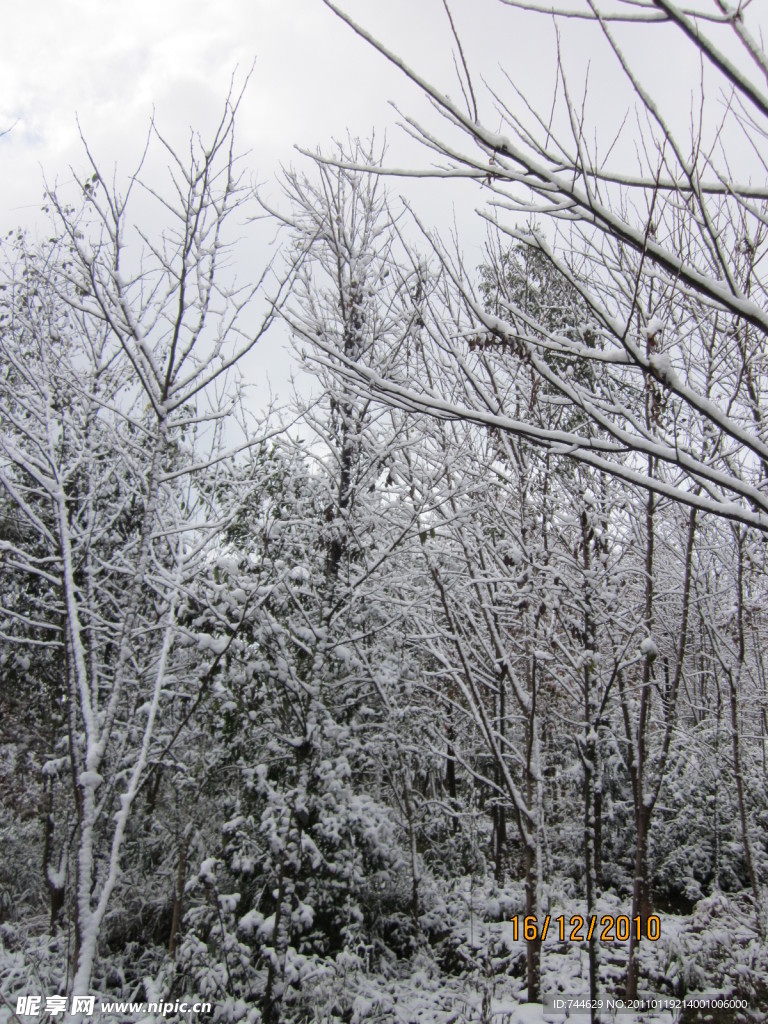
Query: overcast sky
{"points": [[312, 78], [108, 66], [111, 65]]}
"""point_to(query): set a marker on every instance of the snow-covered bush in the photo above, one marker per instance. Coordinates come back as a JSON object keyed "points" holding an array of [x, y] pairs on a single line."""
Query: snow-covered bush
{"points": [[718, 950]]}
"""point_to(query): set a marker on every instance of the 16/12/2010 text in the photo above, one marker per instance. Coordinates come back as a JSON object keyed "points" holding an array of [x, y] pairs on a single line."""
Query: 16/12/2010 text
{"points": [[608, 928]]}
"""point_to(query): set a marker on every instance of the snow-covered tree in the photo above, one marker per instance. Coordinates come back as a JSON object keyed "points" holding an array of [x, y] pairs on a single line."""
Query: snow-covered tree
{"points": [[113, 343], [668, 259]]}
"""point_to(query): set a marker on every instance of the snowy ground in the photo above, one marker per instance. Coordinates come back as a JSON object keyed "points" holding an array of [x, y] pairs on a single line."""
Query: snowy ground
{"points": [[495, 991], [473, 972]]}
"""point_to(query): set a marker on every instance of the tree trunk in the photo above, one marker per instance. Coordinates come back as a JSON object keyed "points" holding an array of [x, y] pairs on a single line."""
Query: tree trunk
{"points": [[640, 901], [178, 898], [532, 909]]}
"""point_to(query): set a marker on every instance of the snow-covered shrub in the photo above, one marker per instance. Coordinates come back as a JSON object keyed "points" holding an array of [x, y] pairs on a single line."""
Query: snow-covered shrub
{"points": [[718, 949], [213, 961], [696, 845]]}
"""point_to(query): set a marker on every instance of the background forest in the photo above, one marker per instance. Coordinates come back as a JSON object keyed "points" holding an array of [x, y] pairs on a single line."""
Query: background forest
{"points": [[318, 715]]}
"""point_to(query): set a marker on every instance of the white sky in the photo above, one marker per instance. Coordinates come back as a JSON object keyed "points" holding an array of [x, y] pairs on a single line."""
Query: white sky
{"points": [[109, 66], [313, 80]]}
